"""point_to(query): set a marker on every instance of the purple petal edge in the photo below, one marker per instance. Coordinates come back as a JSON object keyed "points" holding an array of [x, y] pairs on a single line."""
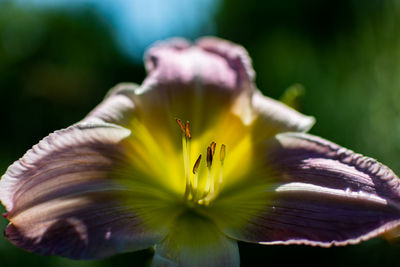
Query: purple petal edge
{"points": [[210, 61], [61, 199], [324, 195], [23, 170], [307, 158]]}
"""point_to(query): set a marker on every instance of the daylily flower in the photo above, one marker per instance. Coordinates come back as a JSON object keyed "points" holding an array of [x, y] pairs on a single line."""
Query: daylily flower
{"points": [[189, 162]]}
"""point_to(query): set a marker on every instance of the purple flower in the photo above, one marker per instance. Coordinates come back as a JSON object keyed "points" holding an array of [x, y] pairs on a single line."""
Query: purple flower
{"points": [[189, 162]]}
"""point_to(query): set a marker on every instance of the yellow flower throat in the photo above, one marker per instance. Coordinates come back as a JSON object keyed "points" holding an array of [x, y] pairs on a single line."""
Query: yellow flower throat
{"points": [[200, 193]]}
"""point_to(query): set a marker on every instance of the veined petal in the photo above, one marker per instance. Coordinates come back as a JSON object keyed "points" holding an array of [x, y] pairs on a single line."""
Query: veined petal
{"points": [[61, 197], [196, 241], [310, 159], [319, 194], [212, 61], [236, 56], [198, 83]]}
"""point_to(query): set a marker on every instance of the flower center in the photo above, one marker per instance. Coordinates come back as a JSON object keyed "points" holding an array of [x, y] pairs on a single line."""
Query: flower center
{"points": [[196, 191]]}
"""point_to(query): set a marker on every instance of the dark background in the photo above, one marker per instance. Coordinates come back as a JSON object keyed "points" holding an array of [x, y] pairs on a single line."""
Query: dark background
{"points": [[343, 56]]}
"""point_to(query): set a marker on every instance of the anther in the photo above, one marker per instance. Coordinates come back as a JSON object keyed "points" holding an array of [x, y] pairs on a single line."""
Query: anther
{"points": [[196, 177], [193, 194], [222, 153], [187, 130], [209, 157], [181, 125], [196, 165], [212, 146]]}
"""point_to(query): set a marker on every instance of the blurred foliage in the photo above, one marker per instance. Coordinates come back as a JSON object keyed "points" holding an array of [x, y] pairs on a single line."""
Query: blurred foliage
{"points": [[293, 96], [55, 66], [345, 53]]}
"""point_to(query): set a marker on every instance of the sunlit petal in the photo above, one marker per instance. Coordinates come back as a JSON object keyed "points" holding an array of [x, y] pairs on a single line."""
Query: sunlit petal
{"points": [[272, 117], [197, 83], [61, 197], [190, 161], [315, 192]]}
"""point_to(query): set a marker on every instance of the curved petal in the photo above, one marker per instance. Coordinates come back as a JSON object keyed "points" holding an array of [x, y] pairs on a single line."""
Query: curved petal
{"points": [[319, 194], [310, 159], [236, 55], [117, 107], [196, 241], [197, 83], [211, 61], [272, 117], [61, 198]]}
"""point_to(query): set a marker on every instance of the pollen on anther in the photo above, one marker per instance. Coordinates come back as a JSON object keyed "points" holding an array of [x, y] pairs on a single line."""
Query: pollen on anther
{"points": [[212, 146], [187, 130], [185, 127], [181, 125], [196, 165]]}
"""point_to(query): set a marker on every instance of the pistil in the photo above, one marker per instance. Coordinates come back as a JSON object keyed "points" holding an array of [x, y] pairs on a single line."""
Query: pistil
{"points": [[186, 136], [196, 178]]}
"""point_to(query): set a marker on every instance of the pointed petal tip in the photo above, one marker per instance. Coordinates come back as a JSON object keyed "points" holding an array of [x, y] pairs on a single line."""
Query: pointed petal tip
{"points": [[276, 115], [308, 123]]}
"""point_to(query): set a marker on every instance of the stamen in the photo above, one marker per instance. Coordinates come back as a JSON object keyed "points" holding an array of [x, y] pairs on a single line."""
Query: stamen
{"points": [[196, 176], [210, 185], [196, 165], [181, 125], [187, 130], [186, 136], [222, 154], [193, 194], [209, 157], [212, 146]]}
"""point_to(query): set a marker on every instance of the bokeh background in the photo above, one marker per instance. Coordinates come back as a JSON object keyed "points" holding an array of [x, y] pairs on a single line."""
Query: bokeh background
{"points": [[340, 60]]}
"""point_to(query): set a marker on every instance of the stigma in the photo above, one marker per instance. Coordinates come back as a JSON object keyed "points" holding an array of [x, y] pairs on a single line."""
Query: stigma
{"points": [[201, 188]]}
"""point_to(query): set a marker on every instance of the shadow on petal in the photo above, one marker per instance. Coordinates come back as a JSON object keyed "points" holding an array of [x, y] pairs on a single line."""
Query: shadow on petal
{"points": [[319, 194]]}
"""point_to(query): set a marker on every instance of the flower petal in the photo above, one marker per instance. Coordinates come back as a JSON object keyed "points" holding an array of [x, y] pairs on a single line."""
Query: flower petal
{"points": [[272, 117], [310, 159], [236, 56], [198, 83], [117, 107], [61, 198], [196, 241], [319, 194], [216, 62]]}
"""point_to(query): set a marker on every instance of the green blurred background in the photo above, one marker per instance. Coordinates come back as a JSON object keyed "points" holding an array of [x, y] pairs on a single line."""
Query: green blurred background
{"points": [[340, 58]]}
